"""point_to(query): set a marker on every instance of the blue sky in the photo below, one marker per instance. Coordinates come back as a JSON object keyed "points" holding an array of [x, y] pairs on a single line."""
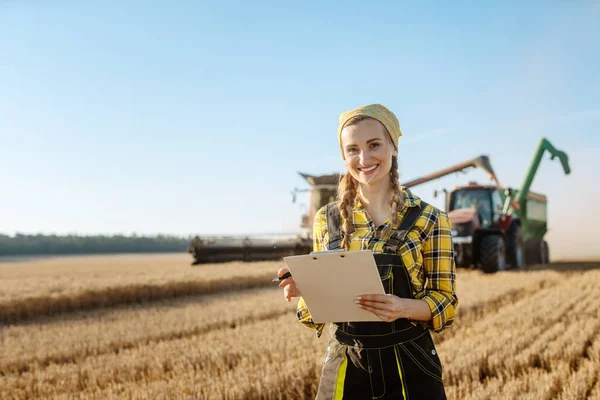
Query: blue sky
{"points": [[194, 118]]}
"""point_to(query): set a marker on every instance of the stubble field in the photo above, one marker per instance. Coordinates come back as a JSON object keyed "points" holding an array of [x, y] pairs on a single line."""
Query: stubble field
{"points": [[152, 326]]}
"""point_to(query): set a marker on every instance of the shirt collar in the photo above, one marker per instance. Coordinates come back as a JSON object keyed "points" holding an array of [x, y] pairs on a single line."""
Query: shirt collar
{"points": [[410, 199]]}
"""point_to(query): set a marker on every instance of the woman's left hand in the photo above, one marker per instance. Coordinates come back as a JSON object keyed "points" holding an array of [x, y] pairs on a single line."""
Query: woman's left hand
{"points": [[387, 307]]}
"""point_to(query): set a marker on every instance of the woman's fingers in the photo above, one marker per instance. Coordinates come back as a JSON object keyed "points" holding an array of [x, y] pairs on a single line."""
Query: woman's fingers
{"points": [[376, 301], [380, 298], [282, 271], [286, 282], [375, 305], [384, 306], [384, 315], [290, 289]]}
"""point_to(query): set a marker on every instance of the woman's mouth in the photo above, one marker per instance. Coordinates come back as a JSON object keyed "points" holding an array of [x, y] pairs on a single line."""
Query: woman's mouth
{"points": [[369, 170]]}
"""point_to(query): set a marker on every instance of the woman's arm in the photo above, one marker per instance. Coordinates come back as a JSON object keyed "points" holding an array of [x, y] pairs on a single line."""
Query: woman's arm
{"points": [[438, 262], [436, 304], [319, 232]]}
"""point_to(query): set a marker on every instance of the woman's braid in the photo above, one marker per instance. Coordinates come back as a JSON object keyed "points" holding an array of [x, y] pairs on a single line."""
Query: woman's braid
{"points": [[347, 190], [397, 202]]}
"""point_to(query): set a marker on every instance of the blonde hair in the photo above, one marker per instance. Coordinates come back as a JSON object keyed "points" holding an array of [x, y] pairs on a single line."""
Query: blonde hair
{"points": [[348, 192]]}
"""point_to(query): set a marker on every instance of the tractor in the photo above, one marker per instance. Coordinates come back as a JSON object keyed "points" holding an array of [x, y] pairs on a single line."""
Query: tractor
{"points": [[499, 228]]}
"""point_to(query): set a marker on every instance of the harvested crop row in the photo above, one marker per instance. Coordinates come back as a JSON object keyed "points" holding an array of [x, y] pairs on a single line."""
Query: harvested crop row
{"points": [[238, 368], [36, 307], [29, 347], [559, 379], [480, 296], [536, 384], [84, 293], [287, 380], [46, 288], [101, 331], [506, 334], [585, 376], [277, 358], [209, 357], [68, 276]]}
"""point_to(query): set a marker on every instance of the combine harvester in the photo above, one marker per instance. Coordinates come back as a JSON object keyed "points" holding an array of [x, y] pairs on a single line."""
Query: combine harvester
{"points": [[494, 228]]}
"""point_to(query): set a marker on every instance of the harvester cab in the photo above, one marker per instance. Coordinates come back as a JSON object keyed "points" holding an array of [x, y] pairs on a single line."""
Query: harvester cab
{"points": [[322, 191]]}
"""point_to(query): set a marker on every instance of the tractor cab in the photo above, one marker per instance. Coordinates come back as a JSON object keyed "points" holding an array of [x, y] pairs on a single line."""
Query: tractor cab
{"points": [[480, 228], [483, 202]]}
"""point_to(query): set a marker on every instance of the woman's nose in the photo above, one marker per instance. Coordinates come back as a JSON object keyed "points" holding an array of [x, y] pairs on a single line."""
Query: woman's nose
{"points": [[364, 157]]}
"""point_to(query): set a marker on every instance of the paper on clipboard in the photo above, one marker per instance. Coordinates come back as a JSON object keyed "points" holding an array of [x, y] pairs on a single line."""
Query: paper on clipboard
{"points": [[330, 281]]}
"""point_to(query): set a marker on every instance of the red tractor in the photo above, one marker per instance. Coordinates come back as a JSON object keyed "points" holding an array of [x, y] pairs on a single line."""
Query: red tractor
{"points": [[498, 228], [485, 233]]}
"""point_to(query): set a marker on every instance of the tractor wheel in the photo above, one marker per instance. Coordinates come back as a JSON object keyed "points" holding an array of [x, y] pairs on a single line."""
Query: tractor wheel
{"points": [[537, 252], [532, 252], [492, 254], [515, 247], [545, 252]]}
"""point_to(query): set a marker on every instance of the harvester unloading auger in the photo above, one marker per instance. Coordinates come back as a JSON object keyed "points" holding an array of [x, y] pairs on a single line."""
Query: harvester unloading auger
{"points": [[493, 227]]}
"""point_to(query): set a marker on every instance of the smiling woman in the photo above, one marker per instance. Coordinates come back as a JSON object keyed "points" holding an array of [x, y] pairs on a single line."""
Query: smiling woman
{"points": [[370, 156], [412, 245]]}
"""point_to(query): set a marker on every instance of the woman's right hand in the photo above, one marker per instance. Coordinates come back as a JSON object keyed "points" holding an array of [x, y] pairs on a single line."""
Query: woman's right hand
{"points": [[290, 289]]}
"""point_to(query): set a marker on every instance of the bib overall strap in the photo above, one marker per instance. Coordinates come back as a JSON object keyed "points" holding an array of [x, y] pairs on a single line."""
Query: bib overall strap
{"points": [[334, 226], [399, 235]]}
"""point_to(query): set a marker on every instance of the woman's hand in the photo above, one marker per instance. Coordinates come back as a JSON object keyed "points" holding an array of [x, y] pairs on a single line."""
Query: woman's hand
{"points": [[290, 289], [386, 306], [389, 307]]}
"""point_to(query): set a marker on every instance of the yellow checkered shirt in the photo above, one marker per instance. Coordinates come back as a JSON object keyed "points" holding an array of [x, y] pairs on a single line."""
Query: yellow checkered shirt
{"points": [[427, 253]]}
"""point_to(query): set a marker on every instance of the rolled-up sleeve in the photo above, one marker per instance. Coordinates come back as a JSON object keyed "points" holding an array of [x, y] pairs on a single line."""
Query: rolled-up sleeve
{"points": [[440, 268], [319, 232]]}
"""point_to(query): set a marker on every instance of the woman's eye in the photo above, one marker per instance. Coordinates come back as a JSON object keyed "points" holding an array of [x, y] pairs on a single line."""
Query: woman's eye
{"points": [[373, 145], [352, 150]]}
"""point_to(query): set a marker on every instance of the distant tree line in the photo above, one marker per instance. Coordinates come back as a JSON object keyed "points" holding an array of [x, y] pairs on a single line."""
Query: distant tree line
{"points": [[74, 244]]}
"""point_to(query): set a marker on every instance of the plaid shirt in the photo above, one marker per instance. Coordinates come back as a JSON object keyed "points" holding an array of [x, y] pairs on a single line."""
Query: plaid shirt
{"points": [[427, 253]]}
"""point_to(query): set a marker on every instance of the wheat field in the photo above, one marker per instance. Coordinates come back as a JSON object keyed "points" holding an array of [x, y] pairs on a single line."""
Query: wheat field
{"points": [[154, 327]]}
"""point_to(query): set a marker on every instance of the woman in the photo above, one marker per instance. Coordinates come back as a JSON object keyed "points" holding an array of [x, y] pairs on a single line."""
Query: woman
{"points": [[412, 245]]}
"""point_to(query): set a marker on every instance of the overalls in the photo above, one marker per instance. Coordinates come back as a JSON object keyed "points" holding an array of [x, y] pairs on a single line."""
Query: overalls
{"points": [[381, 360]]}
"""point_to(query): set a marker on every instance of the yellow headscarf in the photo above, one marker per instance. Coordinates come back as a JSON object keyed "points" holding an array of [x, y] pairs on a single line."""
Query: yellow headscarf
{"points": [[376, 111]]}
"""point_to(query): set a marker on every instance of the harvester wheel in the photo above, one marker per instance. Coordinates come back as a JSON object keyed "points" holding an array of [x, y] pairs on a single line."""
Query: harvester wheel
{"points": [[492, 254], [515, 247]]}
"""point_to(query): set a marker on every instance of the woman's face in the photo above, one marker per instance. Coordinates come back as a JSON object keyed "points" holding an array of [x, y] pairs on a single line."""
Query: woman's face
{"points": [[368, 151]]}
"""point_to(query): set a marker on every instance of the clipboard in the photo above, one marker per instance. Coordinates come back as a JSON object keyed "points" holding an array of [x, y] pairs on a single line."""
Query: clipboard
{"points": [[330, 281]]}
